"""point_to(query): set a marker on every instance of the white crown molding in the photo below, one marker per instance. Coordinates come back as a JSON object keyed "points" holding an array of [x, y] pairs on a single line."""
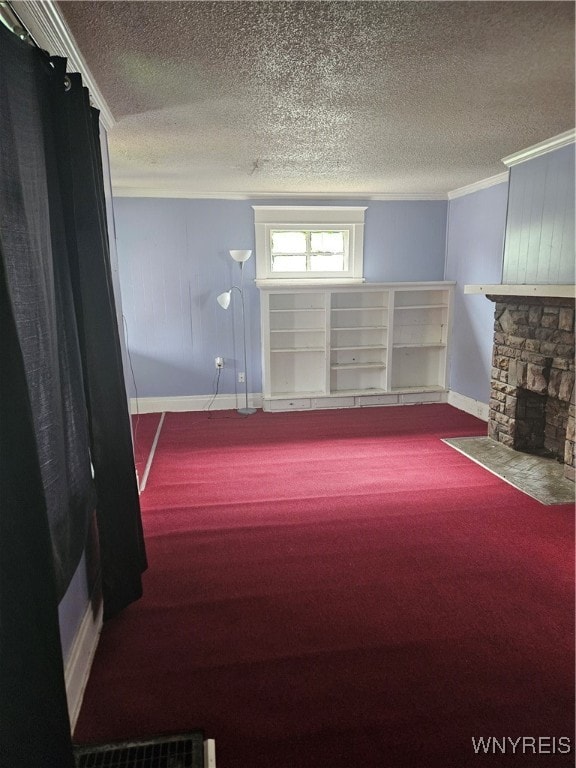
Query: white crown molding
{"points": [[561, 140], [400, 196], [162, 192], [47, 27], [478, 185], [346, 195], [175, 194]]}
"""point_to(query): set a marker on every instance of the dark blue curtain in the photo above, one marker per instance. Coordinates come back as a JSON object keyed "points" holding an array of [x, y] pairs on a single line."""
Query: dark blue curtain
{"points": [[65, 443], [79, 165]]}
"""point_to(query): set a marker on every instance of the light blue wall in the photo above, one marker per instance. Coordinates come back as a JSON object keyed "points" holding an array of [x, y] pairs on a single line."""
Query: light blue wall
{"points": [[540, 228], [174, 261], [474, 252], [404, 241]]}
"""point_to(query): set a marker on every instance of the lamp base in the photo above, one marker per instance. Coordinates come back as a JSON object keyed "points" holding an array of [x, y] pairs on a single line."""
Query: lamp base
{"points": [[246, 411]]}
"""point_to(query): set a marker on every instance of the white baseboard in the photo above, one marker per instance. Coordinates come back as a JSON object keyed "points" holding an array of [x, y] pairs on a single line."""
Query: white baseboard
{"points": [[230, 402], [79, 662], [193, 403], [468, 404]]}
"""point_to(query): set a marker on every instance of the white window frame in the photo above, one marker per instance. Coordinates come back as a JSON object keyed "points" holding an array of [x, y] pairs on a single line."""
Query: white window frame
{"points": [[310, 217]]}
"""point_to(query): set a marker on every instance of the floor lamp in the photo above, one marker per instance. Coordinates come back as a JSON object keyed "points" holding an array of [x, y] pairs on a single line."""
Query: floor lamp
{"points": [[224, 300]]}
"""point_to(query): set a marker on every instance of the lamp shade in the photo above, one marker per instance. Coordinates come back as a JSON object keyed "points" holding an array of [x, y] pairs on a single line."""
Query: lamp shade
{"points": [[224, 299], [240, 256]]}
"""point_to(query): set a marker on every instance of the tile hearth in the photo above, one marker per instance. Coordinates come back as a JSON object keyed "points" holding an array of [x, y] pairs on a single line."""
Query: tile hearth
{"points": [[540, 477]]}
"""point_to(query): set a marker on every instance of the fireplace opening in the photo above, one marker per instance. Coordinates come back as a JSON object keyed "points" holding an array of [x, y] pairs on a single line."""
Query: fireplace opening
{"points": [[540, 424], [530, 421]]}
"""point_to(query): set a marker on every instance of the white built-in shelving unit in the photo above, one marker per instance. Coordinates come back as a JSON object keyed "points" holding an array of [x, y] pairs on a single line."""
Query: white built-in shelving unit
{"points": [[331, 346]]}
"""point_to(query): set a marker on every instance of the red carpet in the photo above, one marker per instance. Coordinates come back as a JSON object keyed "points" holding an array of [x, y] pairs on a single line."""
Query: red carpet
{"points": [[340, 589]]}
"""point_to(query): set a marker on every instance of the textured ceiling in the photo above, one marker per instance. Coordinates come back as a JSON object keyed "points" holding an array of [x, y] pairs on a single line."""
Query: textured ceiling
{"points": [[333, 98]]}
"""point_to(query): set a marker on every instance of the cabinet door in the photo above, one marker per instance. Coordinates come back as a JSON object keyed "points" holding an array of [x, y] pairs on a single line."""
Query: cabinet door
{"points": [[358, 341]]}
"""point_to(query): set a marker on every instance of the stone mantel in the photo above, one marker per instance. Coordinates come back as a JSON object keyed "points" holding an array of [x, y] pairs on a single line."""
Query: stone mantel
{"points": [[548, 291]]}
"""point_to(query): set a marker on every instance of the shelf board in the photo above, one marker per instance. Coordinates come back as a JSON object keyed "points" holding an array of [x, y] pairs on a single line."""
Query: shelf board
{"points": [[360, 392], [427, 345], [294, 395], [358, 309], [364, 346], [416, 390], [295, 350], [297, 330], [360, 328], [422, 306], [297, 310], [350, 366]]}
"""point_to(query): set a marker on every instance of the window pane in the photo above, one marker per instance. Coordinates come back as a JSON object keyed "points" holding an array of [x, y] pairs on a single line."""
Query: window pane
{"points": [[307, 250], [327, 262], [332, 242], [295, 263], [289, 242]]}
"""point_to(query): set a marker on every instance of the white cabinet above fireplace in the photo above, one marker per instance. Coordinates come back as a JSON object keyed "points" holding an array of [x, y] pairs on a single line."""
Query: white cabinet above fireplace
{"points": [[336, 346]]}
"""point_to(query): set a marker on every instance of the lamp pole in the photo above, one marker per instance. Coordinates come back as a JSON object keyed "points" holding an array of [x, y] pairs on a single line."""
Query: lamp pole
{"points": [[224, 300], [247, 410]]}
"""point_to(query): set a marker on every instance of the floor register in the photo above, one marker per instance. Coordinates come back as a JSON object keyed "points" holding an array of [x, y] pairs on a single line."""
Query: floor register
{"points": [[188, 750]]}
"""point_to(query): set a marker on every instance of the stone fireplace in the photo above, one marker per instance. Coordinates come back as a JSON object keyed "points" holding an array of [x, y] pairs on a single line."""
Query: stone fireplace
{"points": [[532, 385]]}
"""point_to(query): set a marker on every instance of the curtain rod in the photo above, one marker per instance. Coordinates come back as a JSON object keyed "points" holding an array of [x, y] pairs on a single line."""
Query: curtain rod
{"points": [[11, 21]]}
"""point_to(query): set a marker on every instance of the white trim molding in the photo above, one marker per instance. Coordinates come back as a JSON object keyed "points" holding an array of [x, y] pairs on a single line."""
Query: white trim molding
{"points": [[346, 218], [561, 140], [192, 403], [142, 486], [178, 194], [469, 405], [478, 185], [397, 196], [49, 30], [80, 658]]}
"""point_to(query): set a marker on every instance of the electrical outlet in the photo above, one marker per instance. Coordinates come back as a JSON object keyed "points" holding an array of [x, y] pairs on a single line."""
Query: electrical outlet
{"points": [[241, 377], [219, 362]]}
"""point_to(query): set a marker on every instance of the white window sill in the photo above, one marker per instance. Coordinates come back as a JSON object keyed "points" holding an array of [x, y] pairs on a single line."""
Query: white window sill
{"points": [[285, 282]]}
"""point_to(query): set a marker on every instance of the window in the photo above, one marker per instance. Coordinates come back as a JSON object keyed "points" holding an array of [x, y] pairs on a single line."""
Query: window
{"points": [[309, 250], [311, 243]]}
